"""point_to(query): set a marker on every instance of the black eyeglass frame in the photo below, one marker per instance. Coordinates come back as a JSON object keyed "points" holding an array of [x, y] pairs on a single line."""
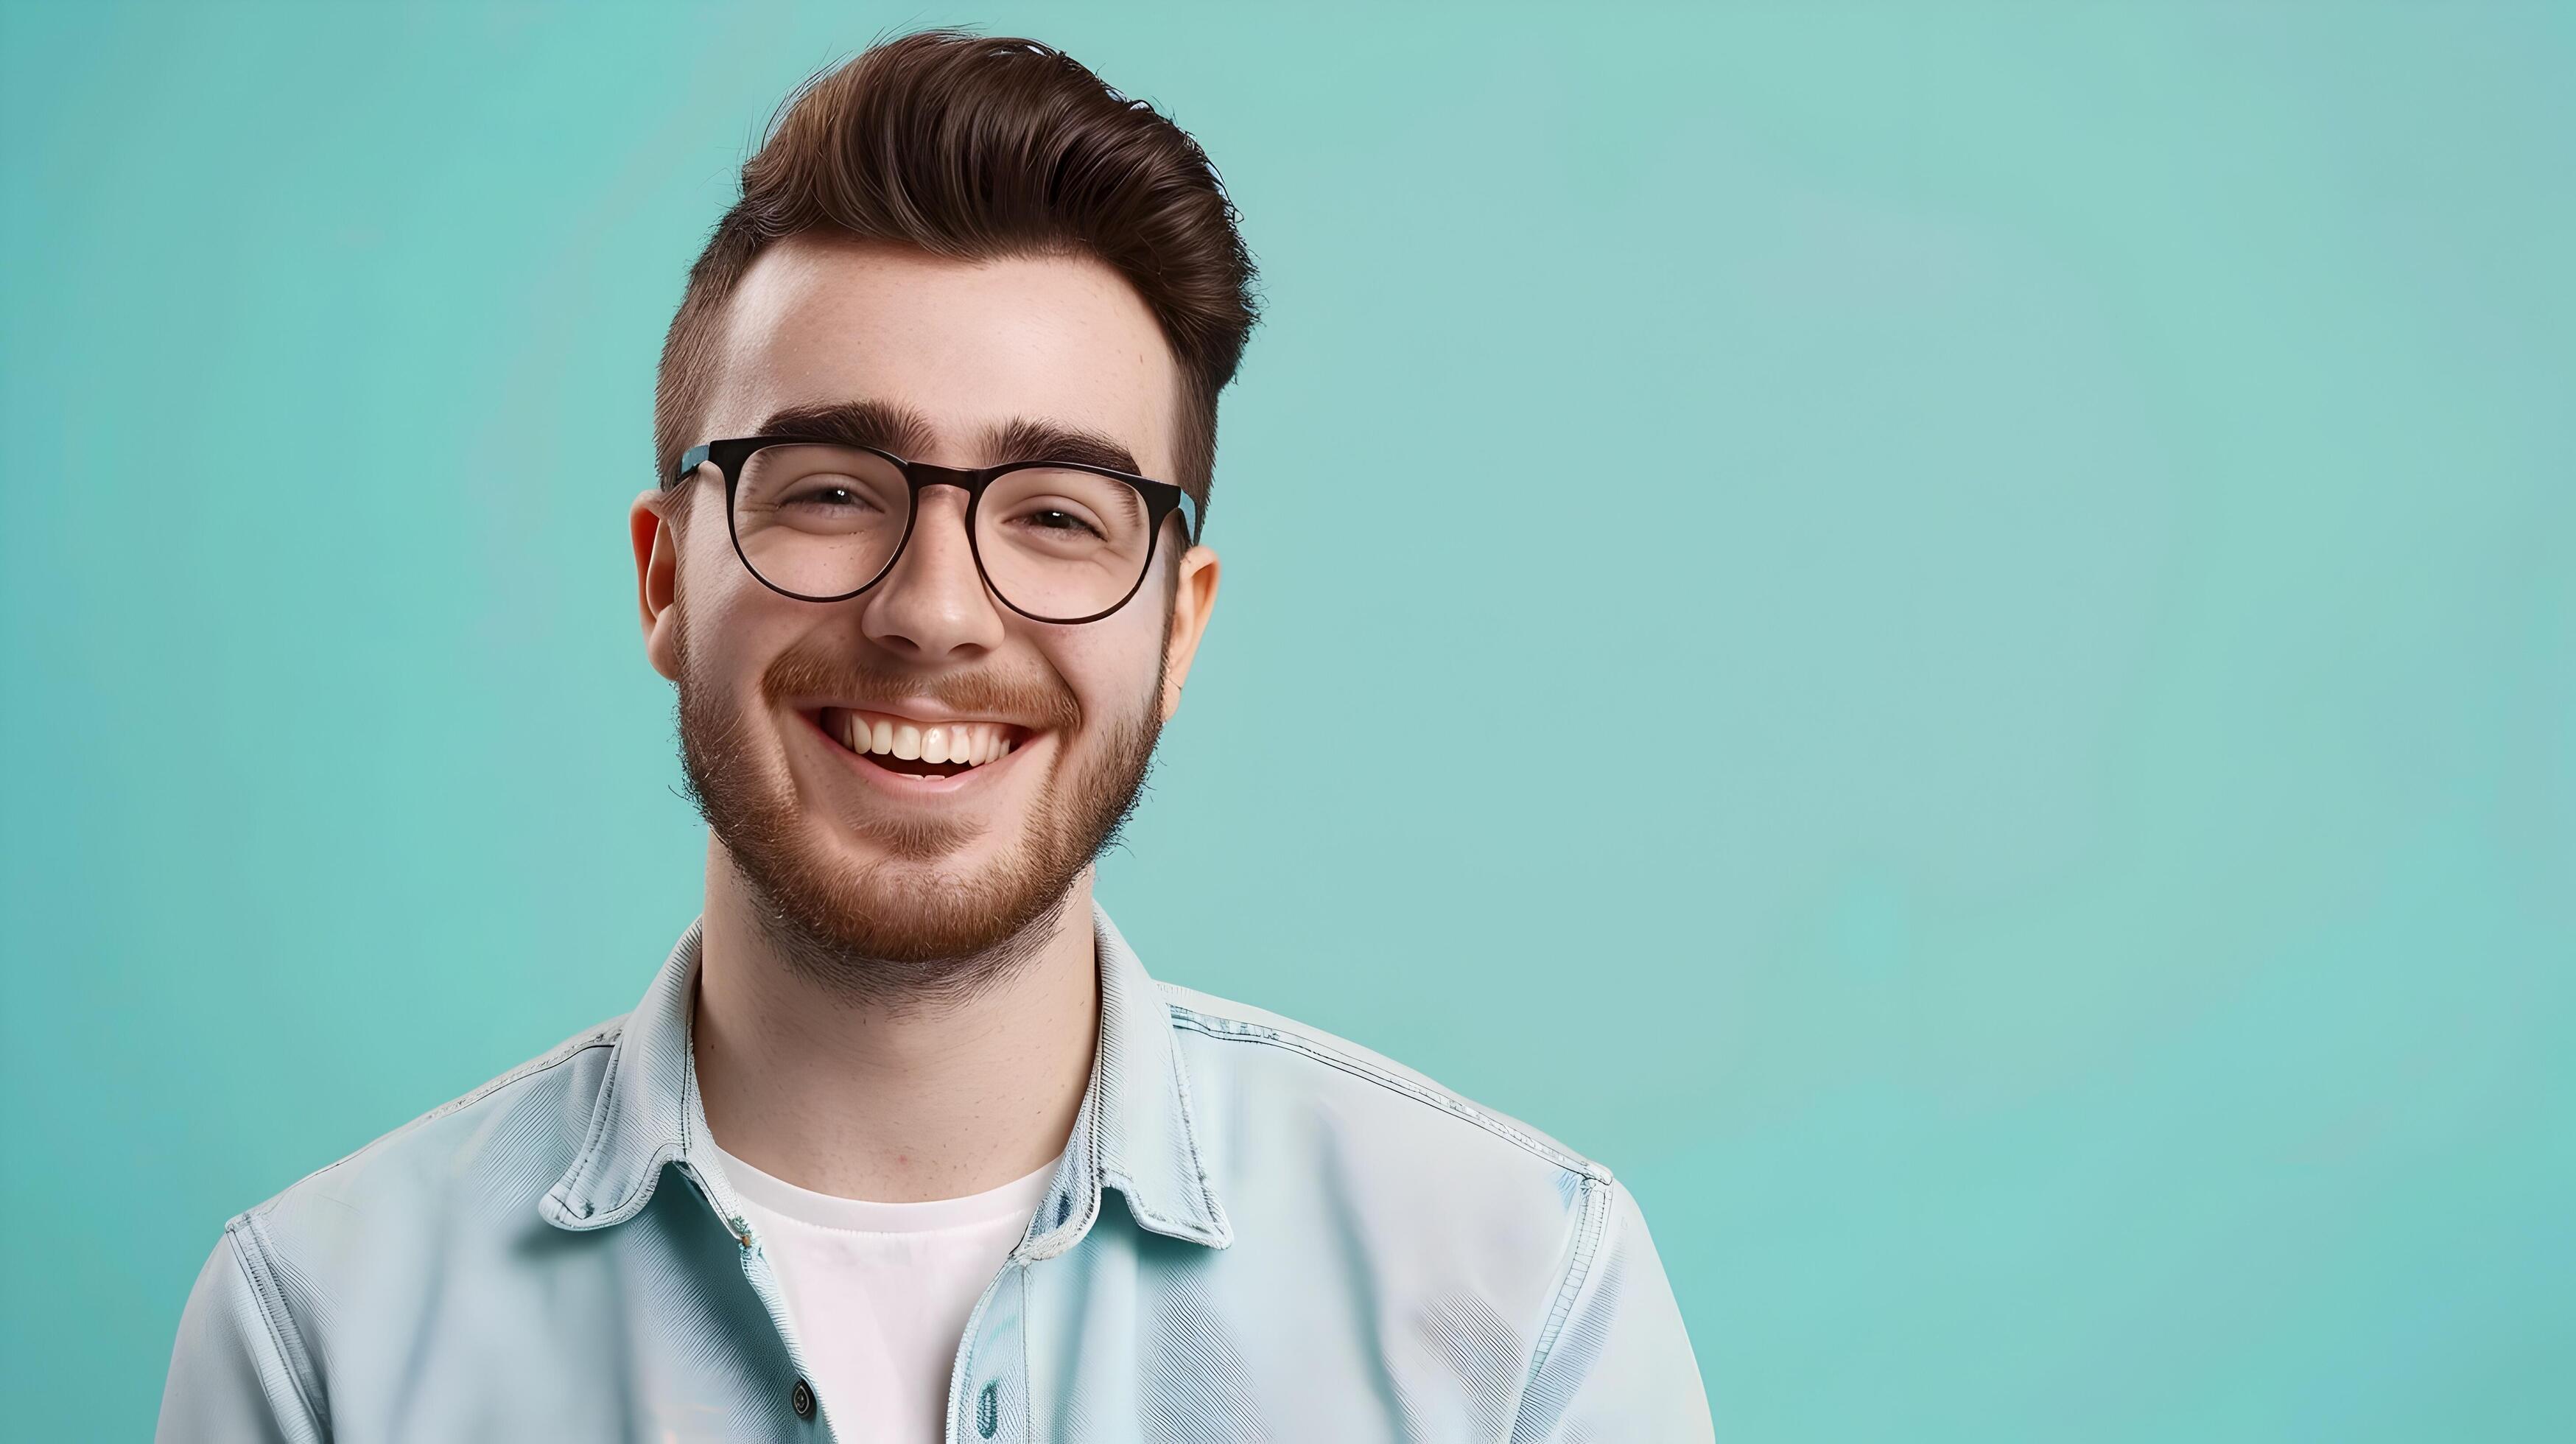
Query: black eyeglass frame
{"points": [[1161, 498]]}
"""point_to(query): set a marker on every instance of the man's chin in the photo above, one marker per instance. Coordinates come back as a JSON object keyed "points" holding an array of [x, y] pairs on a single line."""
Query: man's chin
{"points": [[867, 904], [899, 840]]}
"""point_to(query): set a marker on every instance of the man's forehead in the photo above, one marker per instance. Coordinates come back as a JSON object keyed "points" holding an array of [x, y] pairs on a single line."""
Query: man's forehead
{"points": [[967, 353]]}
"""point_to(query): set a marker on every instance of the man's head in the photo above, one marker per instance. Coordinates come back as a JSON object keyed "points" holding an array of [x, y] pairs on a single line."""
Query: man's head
{"points": [[964, 251]]}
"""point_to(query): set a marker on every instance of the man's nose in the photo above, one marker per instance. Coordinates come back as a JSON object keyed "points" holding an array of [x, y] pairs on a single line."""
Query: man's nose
{"points": [[934, 606]]}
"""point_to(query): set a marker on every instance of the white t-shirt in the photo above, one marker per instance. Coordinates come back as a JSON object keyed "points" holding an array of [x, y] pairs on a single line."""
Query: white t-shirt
{"points": [[879, 1292]]}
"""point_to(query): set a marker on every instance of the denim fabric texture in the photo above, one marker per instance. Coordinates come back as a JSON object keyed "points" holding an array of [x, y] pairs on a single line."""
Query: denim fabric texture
{"points": [[1309, 1242]]}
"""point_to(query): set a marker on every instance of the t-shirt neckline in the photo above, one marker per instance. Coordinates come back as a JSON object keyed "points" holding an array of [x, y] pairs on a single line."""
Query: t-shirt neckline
{"points": [[1015, 1201]]}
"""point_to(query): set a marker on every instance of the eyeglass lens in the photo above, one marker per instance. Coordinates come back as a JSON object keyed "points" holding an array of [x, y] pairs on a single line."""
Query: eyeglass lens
{"points": [[824, 521]]}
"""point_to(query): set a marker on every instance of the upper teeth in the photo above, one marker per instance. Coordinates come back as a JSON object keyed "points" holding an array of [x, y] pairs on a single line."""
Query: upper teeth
{"points": [[973, 743]]}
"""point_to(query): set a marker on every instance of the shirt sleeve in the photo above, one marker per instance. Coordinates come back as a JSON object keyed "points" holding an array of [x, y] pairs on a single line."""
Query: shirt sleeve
{"points": [[230, 1380], [1615, 1361]]}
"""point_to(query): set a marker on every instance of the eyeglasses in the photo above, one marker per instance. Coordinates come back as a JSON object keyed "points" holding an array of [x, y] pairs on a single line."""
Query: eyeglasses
{"points": [[1056, 541]]}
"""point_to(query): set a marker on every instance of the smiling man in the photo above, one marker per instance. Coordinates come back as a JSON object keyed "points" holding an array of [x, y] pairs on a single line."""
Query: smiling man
{"points": [[902, 1141]]}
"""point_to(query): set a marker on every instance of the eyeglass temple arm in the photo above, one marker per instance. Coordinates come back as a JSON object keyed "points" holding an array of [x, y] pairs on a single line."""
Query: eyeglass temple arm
{"points": [[690, 460]]}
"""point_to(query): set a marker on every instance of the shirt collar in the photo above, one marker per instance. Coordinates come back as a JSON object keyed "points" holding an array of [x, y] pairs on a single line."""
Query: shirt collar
{"points": [[1134, 1132]]}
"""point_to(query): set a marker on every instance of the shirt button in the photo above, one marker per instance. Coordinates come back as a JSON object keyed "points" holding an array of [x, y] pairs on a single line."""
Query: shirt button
{"points": [[801, 1399]]}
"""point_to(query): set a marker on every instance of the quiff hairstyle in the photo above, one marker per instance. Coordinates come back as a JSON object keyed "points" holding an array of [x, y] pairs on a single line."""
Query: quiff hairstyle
{"points": [[983, 148]]}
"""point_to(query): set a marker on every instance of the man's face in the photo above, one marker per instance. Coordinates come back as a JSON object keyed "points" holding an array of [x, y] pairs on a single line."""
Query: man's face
{"points": [[896, 865]]}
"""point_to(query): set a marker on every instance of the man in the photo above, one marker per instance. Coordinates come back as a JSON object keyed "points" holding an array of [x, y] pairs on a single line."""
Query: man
{"points": [[902, 1142]]}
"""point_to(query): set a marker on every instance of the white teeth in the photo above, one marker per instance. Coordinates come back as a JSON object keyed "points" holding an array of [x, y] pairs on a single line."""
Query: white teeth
{"points": [[970, 743]]}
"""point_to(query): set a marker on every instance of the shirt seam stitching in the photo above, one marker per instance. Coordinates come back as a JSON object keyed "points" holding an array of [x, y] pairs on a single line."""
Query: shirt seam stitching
{"points": [[1227, 1029], [282, 1333], [1028, 1395], [1590, 1227]]}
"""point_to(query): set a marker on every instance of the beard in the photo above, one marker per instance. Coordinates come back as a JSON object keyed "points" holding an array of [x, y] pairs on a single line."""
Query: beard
{"points": [[910, 927]]}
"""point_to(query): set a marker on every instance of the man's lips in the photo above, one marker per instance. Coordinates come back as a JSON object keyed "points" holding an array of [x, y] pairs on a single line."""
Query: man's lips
{"points": [[916, 750]]}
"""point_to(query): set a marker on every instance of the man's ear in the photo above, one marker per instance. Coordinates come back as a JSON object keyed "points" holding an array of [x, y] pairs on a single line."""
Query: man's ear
{"points": [[1193, 600], [657, 578]]}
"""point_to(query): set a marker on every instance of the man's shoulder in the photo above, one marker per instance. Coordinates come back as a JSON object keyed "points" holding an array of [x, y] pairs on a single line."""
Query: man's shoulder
{"points": [[1299, 1063], [471, 1152]]}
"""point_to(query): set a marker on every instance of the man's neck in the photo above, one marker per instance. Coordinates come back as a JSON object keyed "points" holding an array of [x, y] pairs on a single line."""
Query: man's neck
{"points": [[901, 1105]]}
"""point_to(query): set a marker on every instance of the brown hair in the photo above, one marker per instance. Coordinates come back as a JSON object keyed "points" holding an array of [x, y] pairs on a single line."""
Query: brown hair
{"points": [[980, 148]]}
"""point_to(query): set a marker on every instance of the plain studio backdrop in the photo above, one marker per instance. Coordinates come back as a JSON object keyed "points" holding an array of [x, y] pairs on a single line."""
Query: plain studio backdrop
{"points": [[1944, 633]]}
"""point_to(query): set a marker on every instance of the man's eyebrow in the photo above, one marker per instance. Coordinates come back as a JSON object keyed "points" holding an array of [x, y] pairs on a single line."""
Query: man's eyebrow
{"points": [[1030, 439], [881, 424], [888, 426]]}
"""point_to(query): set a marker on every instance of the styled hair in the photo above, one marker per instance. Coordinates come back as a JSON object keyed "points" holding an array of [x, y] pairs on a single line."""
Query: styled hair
{"points": [[983, 148]]}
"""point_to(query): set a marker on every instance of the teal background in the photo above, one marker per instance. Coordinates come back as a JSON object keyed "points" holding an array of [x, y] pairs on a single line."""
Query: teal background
{"points": [[1942, 632]]}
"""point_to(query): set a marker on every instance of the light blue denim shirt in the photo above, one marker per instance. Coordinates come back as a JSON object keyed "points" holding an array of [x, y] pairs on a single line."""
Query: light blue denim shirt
{"points": [[1311, 1242]]}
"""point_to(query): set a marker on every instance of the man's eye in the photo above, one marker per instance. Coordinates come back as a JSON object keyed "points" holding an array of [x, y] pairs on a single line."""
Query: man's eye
{"points": [[828, 496], [1060, 526]]}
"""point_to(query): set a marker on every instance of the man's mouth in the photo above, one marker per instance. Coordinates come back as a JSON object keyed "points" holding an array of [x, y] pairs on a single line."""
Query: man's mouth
{"points": [[920, 749]]}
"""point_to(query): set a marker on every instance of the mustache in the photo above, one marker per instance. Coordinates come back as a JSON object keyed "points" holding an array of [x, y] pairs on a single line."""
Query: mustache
{"points": [[1043, 701]]}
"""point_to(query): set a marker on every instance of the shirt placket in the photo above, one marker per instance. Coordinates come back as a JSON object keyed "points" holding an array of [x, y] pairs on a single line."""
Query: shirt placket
{"points": [[987, 1388], [763, 1278]]}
